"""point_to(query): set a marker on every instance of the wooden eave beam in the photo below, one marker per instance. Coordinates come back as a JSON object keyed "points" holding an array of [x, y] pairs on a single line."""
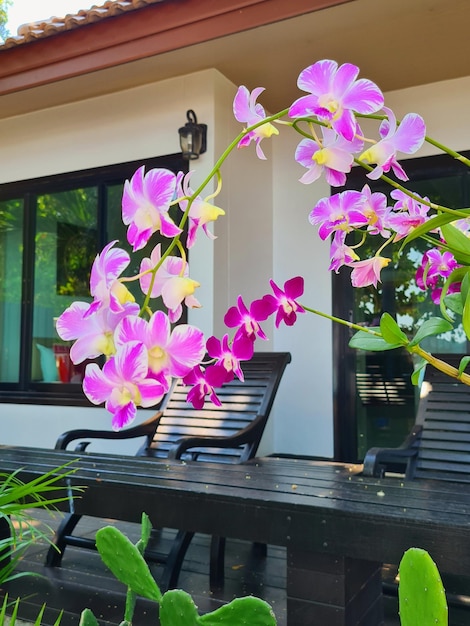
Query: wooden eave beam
{"points": [[138, 34]]}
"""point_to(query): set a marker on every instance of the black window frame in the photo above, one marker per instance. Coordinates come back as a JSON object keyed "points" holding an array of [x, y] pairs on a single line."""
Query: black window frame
{"points": [[344, 376], [26, 391]]}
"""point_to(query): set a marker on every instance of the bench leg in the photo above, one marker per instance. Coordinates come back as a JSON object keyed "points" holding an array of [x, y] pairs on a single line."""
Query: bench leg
{"points": [[56, 550], [333, 590], [217, 563], [175, 559]]}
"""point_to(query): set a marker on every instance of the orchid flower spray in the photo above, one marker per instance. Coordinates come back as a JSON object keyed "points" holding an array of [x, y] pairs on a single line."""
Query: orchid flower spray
{"points": [[137, 347]]}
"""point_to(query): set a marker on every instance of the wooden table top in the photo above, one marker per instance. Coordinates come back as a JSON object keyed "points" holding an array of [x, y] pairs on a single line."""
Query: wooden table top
{"points": [[307, 505]]}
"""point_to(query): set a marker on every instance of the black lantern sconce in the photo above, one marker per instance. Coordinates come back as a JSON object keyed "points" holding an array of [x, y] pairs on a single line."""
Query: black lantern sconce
{"points": [[193, 137]]}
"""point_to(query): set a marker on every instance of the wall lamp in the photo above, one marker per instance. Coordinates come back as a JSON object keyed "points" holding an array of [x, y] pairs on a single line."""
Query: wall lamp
{"points": [[193, 137]]}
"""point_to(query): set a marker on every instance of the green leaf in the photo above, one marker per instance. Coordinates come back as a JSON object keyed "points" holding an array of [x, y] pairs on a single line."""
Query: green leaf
{"points": [[466, 314], [418, 373], [464, 361], [239, 612], [363, 340], [457, 276], [126, 563], [454, 303], [421, 596], [432, 326], [145, 531], [178, 609], [435, 222], [391, 332], [457, 242], [88, 619]]}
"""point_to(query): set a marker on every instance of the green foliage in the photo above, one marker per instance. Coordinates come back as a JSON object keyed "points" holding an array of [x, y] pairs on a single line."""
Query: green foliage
{"points": [[390, 336], [176, 607], [235, 613], [421, 594], [13, 617], [117, 552], [432, 326], [366, 340], [16, 498], [391, 332]]}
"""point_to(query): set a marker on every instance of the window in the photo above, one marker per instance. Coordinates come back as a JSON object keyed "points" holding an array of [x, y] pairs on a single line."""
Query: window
{"points": [[375, 403], [50, 231]]}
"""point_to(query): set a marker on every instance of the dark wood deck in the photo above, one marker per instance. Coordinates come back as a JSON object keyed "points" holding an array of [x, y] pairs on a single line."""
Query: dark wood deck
{"points": [[83, 581]]}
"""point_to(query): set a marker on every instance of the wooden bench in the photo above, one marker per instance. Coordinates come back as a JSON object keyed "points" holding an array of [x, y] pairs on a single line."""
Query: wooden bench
{"points": [[338, 525], [438, 446], [230, 433]]}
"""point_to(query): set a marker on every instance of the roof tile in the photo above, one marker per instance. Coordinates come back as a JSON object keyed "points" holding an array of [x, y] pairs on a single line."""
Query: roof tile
{"points": [[55, 25]]}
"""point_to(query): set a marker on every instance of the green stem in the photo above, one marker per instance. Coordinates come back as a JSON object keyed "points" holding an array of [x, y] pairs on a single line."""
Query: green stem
{"points": [[440, 365], [449, 151], [338, 320]]}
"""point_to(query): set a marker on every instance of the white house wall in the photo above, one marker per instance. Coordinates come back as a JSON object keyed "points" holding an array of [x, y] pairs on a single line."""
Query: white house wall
{"points": [[265, 232]]}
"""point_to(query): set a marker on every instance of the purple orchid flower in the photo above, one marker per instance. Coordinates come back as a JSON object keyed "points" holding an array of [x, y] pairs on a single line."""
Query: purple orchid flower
{"points": [[335, 95], [341, 211], [123, 384], [247, 319], [201, 212], [229, 357], [94, 334], [203, 384], [250, 112], [171, 282], [145, 203], [340, 253], [407, 215], [284, 302], [408, 137], [170, 353], [105, 287], [436, 265], [367, 272], [334, 157]]}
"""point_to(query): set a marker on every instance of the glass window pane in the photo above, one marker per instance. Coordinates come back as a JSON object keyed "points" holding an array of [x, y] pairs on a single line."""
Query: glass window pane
{"points": [[65, 245], [11, 268]]}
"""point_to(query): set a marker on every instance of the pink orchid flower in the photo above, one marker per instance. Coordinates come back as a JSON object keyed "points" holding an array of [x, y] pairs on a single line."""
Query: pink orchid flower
{"points": [[367, 272], [284, 302], [247, 319], [407, 215], [123, 384], [229, 357], [408, 137], [340, 253], [376, 210], [94, 334], [170, 353], [334, 157], [334, 96], [203, 384], [436, 265], [145, 203], [250, 112], [105, 287], [201, 213], [341, 211], [171, 282]]}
